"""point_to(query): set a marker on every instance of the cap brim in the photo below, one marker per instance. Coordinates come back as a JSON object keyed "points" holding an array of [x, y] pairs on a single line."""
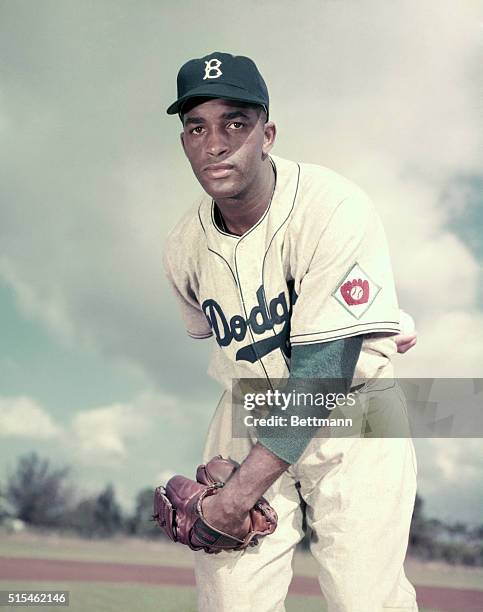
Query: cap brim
{"points": [[216, 90]]}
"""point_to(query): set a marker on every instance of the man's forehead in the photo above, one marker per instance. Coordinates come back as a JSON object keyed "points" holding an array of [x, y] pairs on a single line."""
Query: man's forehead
{"points": [[198, 106]]}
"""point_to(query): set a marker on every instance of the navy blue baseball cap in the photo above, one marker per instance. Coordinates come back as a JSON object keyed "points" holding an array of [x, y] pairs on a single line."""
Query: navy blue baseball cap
{"points": [[220, 75]]}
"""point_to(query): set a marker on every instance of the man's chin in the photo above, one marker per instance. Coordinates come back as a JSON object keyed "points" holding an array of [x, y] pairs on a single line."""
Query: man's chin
{"points": [[220, 189]]}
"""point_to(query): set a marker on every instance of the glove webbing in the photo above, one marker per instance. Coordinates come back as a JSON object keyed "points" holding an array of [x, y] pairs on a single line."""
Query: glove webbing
{"points": [[207, 536]]}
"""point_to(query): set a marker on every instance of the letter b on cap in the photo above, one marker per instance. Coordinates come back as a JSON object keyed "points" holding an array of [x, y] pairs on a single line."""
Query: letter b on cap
{"points": [[212, 69]]}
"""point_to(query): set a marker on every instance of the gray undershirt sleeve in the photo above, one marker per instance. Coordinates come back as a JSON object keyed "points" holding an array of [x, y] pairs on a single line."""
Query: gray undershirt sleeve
{"points": [[335, 360]]}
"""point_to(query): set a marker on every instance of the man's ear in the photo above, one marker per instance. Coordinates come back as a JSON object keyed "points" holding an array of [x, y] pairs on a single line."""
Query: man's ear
{"points": [[269, 135], [181, 137]]}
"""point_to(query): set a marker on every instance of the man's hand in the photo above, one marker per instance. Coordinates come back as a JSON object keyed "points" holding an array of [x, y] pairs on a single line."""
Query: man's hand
{"points": [[256, 474], [230, 506], [405, 342], [223, 515], [180, 506], [408, 336]]}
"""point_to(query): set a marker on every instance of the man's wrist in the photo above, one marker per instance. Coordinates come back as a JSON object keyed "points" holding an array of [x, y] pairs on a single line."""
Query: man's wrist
{"points": [[249, 482], [233, 502]]}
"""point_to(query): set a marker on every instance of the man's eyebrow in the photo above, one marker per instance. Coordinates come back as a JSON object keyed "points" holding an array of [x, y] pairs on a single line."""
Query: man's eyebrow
{"points": [[196, 120], [234, 114]]}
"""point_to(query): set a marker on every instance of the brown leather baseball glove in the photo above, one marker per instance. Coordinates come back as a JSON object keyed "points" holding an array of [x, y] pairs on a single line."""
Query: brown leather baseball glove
{"points": [[177, 510]]}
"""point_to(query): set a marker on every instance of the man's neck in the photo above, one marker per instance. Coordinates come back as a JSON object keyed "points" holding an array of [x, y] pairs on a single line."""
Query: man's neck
{"points": [[241, 214]]}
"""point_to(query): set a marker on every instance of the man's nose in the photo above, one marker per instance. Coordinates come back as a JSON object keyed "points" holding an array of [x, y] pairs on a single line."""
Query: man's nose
{"points": [[217, 143]]}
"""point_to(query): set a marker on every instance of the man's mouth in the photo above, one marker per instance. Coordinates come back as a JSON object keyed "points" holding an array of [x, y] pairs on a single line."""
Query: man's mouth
{"points": [[217, 171]]}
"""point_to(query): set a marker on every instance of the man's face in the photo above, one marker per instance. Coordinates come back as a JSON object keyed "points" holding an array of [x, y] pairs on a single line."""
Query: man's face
{"points": [[226, 142]]}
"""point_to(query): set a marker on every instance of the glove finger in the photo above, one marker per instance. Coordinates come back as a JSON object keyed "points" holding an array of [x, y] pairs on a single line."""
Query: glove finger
{"points": [[164, 513], [266, 510], [263, 518], [217, 470], [183, 493]]}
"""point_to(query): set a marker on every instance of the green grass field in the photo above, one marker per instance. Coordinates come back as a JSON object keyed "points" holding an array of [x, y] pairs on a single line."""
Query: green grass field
{"points": [[419, 573], [116, 550], [107, 597], [160, 552], [99, 597], [95, 597]]}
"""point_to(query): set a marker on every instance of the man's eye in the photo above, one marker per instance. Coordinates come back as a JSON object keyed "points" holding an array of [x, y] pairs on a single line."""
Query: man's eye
{"points": [[236, 125], [197, 130]]}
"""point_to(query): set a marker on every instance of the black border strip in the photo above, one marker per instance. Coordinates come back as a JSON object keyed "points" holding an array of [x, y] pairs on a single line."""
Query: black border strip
{"points": [[199, 336], [354, 333], [347, 327]]}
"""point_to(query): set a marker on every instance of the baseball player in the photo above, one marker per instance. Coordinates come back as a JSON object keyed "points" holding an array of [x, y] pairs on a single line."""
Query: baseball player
{"points": [[286, 265]]}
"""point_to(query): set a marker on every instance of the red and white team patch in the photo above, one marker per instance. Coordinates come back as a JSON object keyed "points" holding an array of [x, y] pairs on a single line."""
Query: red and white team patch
{"points": [[356, 291]]}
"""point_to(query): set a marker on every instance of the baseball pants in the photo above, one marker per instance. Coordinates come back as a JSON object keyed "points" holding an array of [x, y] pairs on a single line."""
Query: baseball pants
{"points": [[360, 496]]}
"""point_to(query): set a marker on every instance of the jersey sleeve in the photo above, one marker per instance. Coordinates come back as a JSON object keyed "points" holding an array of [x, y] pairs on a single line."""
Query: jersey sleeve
{"points": [[331, 362], [195, 321], [346, 288]]}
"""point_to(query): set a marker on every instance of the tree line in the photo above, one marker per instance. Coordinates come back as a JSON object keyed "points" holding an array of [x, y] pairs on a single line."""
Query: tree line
{"points": [[44, 496]]}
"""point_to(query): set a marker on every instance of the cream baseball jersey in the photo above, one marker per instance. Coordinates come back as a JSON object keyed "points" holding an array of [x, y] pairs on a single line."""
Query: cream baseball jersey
{"points": [[315, 268]]}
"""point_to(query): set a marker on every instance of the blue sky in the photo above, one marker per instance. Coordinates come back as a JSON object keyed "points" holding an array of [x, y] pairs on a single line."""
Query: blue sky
{"points": [[94, 364], [35, 363]]}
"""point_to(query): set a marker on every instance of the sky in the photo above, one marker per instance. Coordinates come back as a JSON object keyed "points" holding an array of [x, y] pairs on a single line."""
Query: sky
{"points": [[95, 368]]}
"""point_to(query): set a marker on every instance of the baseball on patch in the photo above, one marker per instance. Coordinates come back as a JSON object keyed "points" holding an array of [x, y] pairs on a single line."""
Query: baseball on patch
{"points": [[408, 327], [357, 292]]}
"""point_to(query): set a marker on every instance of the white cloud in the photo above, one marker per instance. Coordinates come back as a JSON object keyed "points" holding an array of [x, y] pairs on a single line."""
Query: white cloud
{"points": [[101, 434], [402, 119], [112, 436], [449, 478], [105, 435], [22, 417], [145, 442], [135, 444], [448, 460], [101, 431], [50, 306], [449, 346]]}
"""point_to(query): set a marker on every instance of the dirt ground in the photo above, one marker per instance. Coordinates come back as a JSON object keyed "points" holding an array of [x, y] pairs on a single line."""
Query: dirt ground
{"points": [[35, 556]]}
